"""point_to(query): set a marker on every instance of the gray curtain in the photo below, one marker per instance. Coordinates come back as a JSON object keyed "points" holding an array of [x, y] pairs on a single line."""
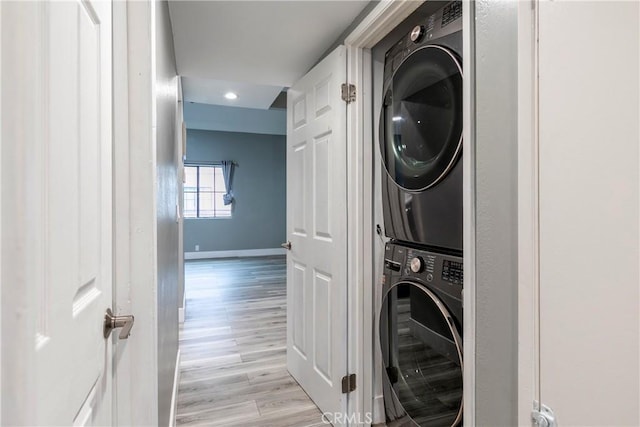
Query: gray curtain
{"points": [[227, 170]]}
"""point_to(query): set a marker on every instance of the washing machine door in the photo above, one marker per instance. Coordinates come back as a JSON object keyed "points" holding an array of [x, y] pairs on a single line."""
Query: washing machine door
{"points": [[421, 118], [422, 354]]}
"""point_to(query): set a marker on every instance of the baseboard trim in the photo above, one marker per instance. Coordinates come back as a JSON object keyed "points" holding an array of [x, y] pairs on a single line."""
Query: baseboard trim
{"points": [[182, 310], [378, 411], [174, 395], [234, 254]]}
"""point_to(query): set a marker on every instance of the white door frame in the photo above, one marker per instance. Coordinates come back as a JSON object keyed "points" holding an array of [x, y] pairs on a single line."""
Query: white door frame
{"points": [[135, 231], [361, 157], [1, 212], [123, 385], [360, 225], [469, 213], [528, 255]]}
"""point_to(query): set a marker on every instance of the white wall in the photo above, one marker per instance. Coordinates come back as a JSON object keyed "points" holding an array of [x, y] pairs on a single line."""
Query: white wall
{"points": [[580, 215]]}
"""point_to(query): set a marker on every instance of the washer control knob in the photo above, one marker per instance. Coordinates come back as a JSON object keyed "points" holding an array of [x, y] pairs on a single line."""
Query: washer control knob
{"points": [[417, 264], [417, 33]]}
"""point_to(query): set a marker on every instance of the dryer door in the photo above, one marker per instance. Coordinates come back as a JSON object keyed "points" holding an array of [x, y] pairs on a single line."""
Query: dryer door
{"points": [[421, 118], [422, 354]]}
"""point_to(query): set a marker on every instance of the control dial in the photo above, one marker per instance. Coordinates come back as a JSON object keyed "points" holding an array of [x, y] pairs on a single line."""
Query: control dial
{"points": [[417, 264], [417, 33]]}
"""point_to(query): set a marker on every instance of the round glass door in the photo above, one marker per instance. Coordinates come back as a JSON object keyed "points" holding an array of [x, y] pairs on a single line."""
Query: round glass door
{"points": [[421, 119], [422, 354]]}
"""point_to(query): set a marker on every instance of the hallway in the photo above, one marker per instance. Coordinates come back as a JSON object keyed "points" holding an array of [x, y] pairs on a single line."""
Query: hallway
{"points": [[233, 347]]}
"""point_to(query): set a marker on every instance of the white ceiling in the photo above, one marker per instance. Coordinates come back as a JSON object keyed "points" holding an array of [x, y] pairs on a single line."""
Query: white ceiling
{"points": [[259, 42]]}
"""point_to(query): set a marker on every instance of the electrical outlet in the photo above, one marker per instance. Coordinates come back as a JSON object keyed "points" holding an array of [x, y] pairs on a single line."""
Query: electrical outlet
{"points": [[197, 248]]}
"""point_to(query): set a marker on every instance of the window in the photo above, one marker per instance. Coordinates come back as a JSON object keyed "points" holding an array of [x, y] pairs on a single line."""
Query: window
{"points": [[204, 188]]}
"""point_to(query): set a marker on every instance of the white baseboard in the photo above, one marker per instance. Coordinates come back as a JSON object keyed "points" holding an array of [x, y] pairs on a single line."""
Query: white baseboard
{"points": [[378, 410], [233, 254], [174, 395], [182, 310]]}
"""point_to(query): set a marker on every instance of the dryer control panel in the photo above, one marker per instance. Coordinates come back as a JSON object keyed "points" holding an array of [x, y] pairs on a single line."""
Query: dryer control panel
{"points": [[452, 271], [442, 23], [451, 12]]}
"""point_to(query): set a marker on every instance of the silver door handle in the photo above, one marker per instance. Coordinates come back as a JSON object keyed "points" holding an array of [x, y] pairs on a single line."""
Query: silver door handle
{"points": [[287, 246], [112, 322]]}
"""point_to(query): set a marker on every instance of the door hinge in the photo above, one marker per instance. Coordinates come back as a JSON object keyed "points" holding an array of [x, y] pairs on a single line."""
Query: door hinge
{"points": [[543, 416], [348, 383], [348, 93]]}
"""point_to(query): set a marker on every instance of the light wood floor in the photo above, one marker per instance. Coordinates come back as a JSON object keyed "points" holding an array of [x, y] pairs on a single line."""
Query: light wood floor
{"points": [[233, 347]]}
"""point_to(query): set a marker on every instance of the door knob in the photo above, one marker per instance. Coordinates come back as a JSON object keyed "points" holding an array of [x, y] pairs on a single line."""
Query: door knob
{"points": [[287, 245], [112, 322]]}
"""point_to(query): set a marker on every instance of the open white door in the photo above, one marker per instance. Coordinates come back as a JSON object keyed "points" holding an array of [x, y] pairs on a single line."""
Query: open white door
{"points": [[317, 231], [56, 81]]}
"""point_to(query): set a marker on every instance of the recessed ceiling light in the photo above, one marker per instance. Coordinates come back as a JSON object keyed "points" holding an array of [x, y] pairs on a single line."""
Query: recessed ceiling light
{"points": [[231, 95]]}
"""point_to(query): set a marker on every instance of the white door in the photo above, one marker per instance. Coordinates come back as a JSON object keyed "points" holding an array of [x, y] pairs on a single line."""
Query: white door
{"points": [[317, 230], [56, 75], [589, 104]]}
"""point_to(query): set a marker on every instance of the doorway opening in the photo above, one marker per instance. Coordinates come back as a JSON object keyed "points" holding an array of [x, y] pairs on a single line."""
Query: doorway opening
{"points": [[233, 341], [233, 346]]}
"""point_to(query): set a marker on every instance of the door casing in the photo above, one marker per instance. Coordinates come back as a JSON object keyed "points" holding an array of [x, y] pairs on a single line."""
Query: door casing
{"points": [[136, 387]]}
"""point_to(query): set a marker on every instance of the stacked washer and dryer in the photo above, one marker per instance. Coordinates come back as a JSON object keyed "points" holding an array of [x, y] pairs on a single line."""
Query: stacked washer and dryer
{"points": [[420, 321]]}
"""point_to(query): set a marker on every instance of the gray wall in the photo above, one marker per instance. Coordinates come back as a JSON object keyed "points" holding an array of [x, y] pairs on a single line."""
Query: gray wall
{"points": [[235, 119], [496, 181], [259, 186], [167, 198]]}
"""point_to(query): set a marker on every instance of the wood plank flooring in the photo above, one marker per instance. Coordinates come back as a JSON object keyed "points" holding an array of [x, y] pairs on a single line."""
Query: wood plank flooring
{"points": [[233, 347]]}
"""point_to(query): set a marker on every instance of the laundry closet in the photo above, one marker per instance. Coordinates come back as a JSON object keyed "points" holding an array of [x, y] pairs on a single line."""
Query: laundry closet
{"points": [[417, 86], [548, 205]]}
